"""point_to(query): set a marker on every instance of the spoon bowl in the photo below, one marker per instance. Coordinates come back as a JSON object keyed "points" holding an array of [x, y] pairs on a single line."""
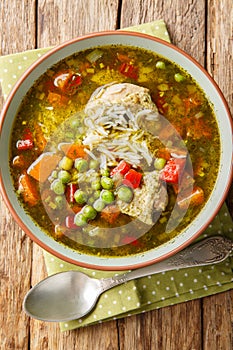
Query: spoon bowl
{"points": [[63, 296], [70, 295]]}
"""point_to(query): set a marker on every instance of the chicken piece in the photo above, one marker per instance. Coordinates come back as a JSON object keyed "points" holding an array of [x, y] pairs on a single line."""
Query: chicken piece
{"points": [[149, 195], [123, 93]]}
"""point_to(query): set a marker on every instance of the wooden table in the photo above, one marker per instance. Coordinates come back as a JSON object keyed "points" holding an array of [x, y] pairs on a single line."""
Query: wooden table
{"points": [[203, 28]]}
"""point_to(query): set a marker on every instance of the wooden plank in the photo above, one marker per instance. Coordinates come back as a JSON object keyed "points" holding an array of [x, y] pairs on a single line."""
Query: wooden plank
{"points": [[218, 309], [218, 321], [16, 18], [55, 23], [15, 263], [181, 324], [141, 332], [220, 46], [163, 328], [185, 21]]}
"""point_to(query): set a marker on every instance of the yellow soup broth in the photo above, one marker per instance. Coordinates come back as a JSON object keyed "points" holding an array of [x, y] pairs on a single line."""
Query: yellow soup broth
{"points": [[120, 171]]}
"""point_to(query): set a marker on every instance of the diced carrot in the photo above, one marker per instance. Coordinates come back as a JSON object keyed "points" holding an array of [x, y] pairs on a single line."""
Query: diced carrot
{"points": [[164, 153], [28, 189], [74, 150], [194, 199], [42, 167], [110, 213], [123, 58], [56, 99], [190, 103], [40, 140], [76, 208], [198, 128]]}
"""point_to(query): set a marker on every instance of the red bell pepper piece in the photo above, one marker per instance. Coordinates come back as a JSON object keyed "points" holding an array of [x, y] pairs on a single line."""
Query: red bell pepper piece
{"points": [[130, 240], [23, 145], [70, 222], [129, 70], [122, 168], [70, 191], [68, 82], [173, 170], [26, 142], [132, 178]]}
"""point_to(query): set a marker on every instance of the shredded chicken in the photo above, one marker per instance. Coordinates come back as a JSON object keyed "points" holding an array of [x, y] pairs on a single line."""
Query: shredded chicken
{"points": [[123, 93], [143, 204], [118, 116]]}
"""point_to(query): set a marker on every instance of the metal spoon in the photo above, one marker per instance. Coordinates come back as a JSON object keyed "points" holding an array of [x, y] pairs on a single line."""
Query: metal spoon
{"points": [[70, 295]]}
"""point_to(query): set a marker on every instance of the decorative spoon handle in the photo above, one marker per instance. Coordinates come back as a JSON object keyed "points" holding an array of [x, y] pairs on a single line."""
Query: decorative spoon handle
{"points": [[209, 251]]}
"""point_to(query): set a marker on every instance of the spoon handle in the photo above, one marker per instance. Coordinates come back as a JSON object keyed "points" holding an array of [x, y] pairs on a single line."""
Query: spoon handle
{"points": [[209, 251]]}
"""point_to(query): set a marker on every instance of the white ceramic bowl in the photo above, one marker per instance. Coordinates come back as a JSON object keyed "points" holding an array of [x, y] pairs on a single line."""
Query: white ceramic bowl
{"points": [[224, 123]]}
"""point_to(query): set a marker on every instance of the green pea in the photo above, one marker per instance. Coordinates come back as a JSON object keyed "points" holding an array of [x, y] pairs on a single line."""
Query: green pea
{"points": [[81, 165], [80, 197], [58, 187], [66, 163], [59, 200], [107, 196], [96, 185], [99, 205], [80, 219], [125, 193], [89, 212], [96, 194], [105, 172], [64, 176], [179, 77], [90, 200], [106, 182], [94, 164], [75, 123], [159, 163], [160, 65], [54, 174]]}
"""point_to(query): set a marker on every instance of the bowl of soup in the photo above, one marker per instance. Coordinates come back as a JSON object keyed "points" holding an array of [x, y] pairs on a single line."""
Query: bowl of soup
{"points": [[116, 150]]}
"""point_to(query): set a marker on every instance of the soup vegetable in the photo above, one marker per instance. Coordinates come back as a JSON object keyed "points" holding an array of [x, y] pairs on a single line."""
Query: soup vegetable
{"points": [[114, 151]]}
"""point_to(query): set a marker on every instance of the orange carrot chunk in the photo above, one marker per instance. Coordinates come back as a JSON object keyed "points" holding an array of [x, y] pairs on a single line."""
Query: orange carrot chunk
{"points": [[28, 189], [110, 213], [42, 167], [40, 140], [195, 198], [74, 150]]}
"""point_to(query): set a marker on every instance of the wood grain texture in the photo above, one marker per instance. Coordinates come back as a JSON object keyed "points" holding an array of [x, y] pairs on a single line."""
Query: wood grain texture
{"points": [[16, 248], [218, 309], [18, 31], [185, 21], [55, 23], [220, 46], [218, 321], [204, 30]]}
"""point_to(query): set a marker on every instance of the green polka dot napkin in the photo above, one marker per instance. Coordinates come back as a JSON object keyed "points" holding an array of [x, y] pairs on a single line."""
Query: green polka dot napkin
{"points": [[150, 292]]}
